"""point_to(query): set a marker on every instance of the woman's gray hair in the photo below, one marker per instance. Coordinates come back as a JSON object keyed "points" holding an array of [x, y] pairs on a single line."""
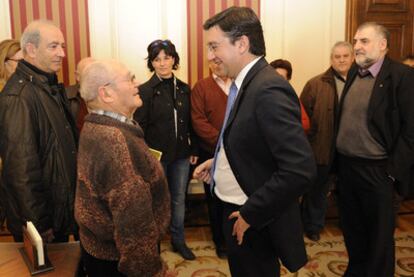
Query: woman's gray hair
{"points": [[31, 33], [94, 76]]}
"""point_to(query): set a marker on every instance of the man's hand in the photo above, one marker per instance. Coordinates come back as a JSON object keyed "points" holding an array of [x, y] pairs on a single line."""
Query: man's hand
{"points": [[202, 172], [239, 227]]}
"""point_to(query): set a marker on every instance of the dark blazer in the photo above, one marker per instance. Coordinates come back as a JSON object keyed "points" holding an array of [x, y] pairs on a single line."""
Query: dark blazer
{"points": [[391, 118], [38, 149], [77, 105], [320, 99], [156, 117], [271, 159]]}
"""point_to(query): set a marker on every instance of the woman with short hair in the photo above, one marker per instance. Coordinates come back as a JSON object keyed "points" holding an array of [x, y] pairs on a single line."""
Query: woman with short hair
{"points": [[165, 119]]}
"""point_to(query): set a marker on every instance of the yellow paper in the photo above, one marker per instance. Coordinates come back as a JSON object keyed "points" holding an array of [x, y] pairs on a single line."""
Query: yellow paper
{"points": [[157, 154]]}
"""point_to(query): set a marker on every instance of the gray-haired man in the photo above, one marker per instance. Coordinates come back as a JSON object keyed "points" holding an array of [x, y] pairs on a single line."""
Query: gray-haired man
{"points": [[375, 143], [320, 97], [38, 141]]}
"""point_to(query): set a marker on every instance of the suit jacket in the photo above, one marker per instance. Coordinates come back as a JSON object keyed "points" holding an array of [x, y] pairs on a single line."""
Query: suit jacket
{"points": [[77, 105], [391, 118], [38, 148], [156, 117], [273, 161], [320, 99]]}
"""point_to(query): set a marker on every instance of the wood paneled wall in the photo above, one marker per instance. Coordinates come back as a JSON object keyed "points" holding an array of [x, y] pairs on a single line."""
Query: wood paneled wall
{"points": [[396, 15]]}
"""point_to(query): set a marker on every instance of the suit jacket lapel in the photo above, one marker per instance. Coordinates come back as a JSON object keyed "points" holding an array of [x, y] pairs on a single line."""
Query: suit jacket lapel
{"points": [[260, 64], [379, 90]]}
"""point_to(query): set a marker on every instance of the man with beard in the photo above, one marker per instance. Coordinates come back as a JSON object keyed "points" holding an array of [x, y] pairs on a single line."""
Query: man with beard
{"points": [[375, 145]]}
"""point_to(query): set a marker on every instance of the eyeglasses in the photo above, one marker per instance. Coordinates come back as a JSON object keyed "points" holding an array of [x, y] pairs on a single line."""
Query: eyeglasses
{"points": [[213, 46], [130, 79]]}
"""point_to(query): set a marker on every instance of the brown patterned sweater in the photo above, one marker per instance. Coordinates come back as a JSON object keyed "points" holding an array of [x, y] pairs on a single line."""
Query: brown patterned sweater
{"points": [[122, 201]]}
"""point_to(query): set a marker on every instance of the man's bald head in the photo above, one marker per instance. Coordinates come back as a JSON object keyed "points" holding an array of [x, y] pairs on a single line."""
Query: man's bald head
{"points": [[97, 74], [82, 64], [110, 86]]}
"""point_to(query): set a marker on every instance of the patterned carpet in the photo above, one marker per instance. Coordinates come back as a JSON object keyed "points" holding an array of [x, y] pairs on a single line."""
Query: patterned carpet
{"points": [[326, 258]]}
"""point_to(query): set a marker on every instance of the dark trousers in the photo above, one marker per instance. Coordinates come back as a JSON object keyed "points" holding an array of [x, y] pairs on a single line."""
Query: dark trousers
{"points": [[215, 209], [99, 268], [315, 202], [365, 202], [215, 213], [255, 256]]}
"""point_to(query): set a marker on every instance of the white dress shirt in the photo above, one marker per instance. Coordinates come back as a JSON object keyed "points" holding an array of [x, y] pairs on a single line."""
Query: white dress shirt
{"points": [[226, 186], [224, 85]]}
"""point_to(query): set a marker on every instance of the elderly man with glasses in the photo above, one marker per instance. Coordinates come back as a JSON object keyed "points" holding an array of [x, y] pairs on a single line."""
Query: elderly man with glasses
{"points": [[122, 202]]}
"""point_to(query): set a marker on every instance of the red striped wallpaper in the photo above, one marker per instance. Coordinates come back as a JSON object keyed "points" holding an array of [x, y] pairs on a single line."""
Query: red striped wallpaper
{"points": [[72, 18], [199, 11]]}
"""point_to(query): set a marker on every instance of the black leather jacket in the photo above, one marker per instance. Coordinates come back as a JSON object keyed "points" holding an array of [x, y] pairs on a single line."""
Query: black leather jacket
{"points": [[38, 149], [156, 117]]}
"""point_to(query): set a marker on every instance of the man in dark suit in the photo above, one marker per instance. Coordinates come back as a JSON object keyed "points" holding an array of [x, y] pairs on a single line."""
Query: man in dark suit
{"points": [[375, 145], [263, 161]]}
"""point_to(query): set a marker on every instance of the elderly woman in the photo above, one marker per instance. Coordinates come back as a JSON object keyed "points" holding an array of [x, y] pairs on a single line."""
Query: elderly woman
{"points": [[122, 202], [165, 119], [10, 55]]}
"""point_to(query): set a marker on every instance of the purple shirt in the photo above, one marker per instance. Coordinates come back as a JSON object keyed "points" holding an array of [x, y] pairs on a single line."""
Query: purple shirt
{"points": [[373, 69]]}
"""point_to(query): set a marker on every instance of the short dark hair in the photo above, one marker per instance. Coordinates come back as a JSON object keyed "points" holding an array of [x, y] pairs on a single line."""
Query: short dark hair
{"points": [[237, 22], [285, 64], [155, 47]]}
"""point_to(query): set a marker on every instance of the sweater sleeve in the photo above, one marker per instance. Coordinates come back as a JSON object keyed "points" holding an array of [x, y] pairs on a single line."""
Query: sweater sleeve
{"points": [[136, 232], [202, 126]]}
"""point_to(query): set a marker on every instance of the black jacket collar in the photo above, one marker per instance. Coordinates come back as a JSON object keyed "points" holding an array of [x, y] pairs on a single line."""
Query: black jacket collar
{"points": [[155, 81], [51, 77]]}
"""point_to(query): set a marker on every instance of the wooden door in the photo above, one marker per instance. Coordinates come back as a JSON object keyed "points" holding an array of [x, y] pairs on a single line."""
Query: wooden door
{"points": [[395, 15]]}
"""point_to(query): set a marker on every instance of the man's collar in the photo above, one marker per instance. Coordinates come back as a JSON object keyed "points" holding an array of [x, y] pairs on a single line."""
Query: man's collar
{"points": [[242, 74], [51, 77], [337, 75], [115, 115], [373, 69]]}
